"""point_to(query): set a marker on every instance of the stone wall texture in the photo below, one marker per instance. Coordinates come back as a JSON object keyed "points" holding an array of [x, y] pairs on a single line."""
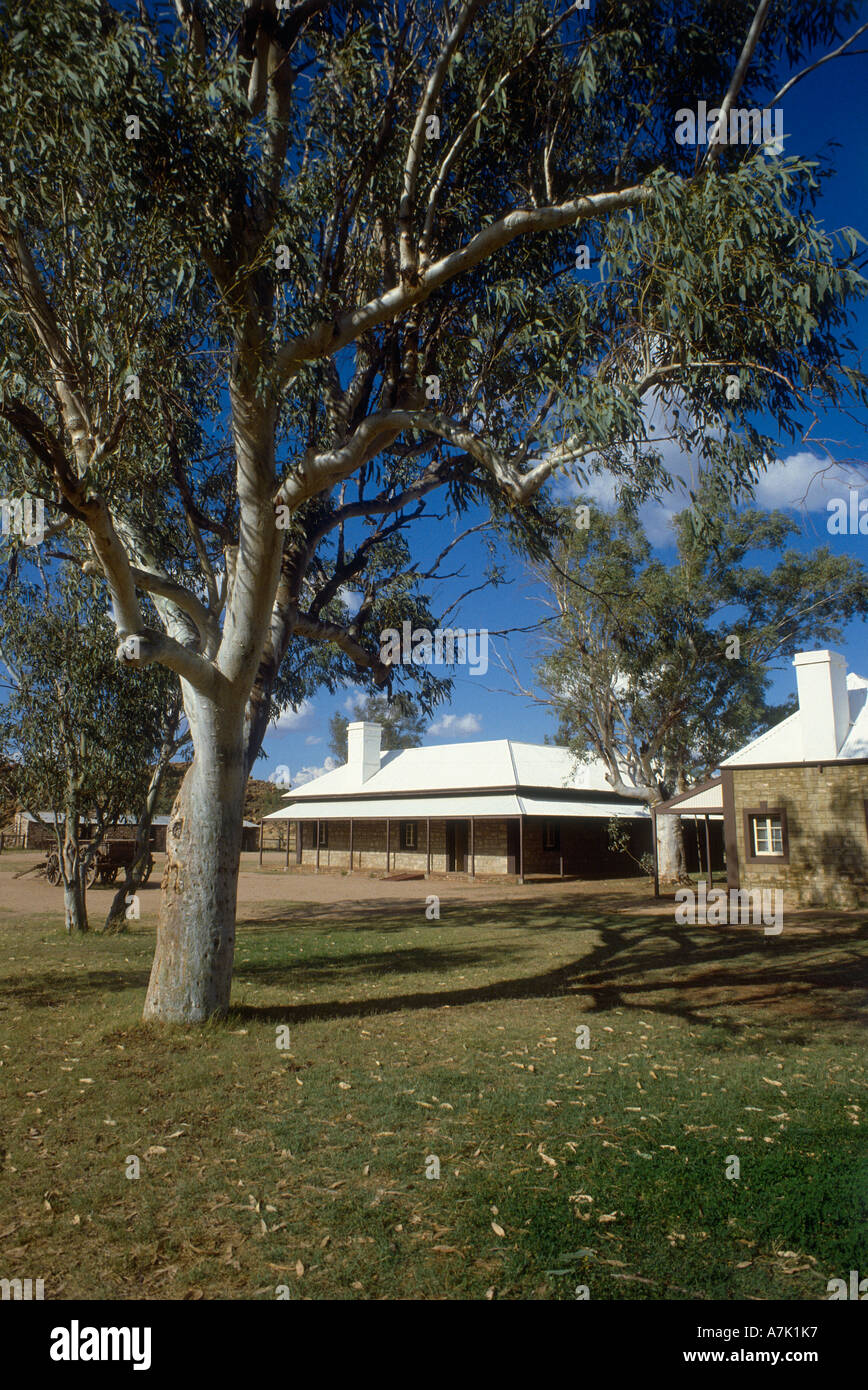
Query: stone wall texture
{"points": [[826, 829], [584, 848]]}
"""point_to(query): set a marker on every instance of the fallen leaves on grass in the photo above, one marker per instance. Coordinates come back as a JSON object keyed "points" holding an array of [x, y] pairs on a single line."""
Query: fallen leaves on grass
{"points": [[546, 1159]]}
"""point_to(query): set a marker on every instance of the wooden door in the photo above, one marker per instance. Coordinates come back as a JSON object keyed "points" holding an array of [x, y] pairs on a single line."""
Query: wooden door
{"points": [[456, 846]]}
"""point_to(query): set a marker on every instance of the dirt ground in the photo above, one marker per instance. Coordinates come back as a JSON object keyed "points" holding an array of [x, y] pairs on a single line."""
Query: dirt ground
{"points": [[265, 894], [262, 890]]}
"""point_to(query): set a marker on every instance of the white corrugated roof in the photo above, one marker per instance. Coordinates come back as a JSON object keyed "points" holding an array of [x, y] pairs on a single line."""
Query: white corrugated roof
{"points": [[553, 807], [780, 744], [707, 799], [783, 742], [454, 767], [397, 808], [457, 807]]}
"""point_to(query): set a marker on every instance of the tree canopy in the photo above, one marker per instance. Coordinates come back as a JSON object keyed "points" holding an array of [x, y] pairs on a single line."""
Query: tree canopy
{"points": [[402, 723], [80, 731], [662, 668]]}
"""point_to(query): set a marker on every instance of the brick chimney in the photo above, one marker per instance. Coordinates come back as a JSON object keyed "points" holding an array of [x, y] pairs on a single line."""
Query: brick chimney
{"points": [[824, 705], [363, 749]]}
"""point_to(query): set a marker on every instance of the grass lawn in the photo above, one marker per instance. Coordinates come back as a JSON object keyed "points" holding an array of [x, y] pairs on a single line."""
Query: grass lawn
{"points": [[559, 1166]]}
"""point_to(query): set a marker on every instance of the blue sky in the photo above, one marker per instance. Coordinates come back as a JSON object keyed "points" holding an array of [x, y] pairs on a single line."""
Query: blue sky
{"points": [[826, 108]]}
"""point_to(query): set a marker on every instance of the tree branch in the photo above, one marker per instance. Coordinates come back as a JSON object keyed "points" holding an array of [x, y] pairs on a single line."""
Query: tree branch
{"points": [[321, 631], [715, 144], [407, 254], [827, 58], [329, 337]]}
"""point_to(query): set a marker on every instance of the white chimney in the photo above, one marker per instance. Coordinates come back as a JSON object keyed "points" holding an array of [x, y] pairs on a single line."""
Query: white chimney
{"points": [[824, 704], [363, 749]]}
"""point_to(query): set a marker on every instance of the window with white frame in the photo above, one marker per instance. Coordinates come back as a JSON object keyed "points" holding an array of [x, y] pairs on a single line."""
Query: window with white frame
{"points": [[409, 834], [767, 835]]}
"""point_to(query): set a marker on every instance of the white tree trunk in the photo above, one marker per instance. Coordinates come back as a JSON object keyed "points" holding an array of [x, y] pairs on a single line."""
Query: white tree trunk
{"points": [[191, 976], [75, 904], [72, 872], [671, 861]]}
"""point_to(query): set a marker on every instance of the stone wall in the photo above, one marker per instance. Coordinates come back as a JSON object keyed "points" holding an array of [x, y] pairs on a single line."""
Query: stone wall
{"points": [[584, 845], [369, 847], [826, 832]]}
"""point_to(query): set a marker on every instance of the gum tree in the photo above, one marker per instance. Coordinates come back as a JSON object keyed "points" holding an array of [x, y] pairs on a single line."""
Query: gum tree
{"points": [[272, 276], [81, 732], [661, 668]]}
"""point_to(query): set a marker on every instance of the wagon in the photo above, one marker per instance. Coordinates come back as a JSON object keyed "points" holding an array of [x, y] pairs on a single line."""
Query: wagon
{"points": [[105, 865]]}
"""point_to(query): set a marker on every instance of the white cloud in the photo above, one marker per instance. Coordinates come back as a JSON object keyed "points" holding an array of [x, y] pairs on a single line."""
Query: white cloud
{"points": [[351, 599], [459, 724], [684, 468], [311, 739], [281, 776], [307, 774], [292, 718], [803, 482]]}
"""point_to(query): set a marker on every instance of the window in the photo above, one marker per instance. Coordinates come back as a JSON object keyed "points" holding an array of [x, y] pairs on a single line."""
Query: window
{"points": [[323, 834], [765, 835], [768, 835], [409, 834], [552, 835]]}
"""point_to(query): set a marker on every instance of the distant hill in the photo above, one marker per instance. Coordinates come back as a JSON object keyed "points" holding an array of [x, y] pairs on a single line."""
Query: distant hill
{"points": [[261, 798]]}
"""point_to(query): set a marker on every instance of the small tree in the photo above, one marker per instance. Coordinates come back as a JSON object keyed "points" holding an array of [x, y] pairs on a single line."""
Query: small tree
{"points": [[661, 669], [80, 731]]}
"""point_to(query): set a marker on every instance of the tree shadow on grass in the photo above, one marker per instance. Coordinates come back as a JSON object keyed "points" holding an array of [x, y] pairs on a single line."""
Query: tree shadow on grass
{"points": [[562, 912], [323, 969], [646, 964], [51, 988], [593, 910], [688, 973]]}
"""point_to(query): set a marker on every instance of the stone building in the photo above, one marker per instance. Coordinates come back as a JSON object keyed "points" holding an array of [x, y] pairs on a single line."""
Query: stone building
{"points": [[794, 801], [498, 807]]}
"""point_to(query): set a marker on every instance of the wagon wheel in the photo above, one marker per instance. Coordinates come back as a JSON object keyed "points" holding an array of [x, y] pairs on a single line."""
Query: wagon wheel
{"points": [[52, 869], [90, 876], [149, 868], [108, 875]]}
